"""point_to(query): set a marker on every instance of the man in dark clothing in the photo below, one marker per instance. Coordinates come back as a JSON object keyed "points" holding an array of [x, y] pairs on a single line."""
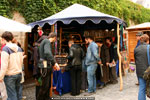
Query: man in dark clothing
{"points": [[141, 61], [76, 55], [113, 59], [104, 69], [36, 56], [46, 64], [138, 35]]}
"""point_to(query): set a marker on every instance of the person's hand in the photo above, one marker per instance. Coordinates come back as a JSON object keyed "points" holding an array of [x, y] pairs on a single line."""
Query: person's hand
{"points": [[63, 70], [56, 67], [107, 64], [24, 56], [113, 62], [99, 62]]}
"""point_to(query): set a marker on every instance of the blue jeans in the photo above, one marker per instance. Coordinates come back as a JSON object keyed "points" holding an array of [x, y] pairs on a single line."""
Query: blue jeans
{"points": [[20, 91], [142, 89], [12, 86], [91, 77]]}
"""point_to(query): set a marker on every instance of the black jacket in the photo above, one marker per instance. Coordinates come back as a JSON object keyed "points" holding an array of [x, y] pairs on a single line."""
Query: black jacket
{"points": [[113, 53], [76, 55], [45, 51], [104, 55], [36, 54], [141, 60]]}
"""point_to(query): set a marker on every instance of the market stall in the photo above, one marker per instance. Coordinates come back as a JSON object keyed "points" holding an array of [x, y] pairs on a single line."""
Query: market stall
{"points": [[132, 41], [77, 21]]}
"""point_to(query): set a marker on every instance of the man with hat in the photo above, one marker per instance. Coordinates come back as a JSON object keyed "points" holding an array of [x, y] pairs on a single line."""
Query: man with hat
{"points": [[138, 35]]}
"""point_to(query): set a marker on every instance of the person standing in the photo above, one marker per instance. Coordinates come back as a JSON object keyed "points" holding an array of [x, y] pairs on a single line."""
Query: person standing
{"points": [[3, 91], [138, 35], [104, 55], [91, 60], [11, 66], [112, 61], [23, 73], [76, 55], [141, 62], [46, 63], [36, 70]]}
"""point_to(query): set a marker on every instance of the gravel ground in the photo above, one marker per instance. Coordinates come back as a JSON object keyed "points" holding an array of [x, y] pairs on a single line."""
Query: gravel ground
{"points": [[110, 92]]}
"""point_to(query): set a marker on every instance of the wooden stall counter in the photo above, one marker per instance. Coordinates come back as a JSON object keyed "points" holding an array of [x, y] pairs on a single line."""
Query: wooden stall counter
{"points": [[62, 61]]}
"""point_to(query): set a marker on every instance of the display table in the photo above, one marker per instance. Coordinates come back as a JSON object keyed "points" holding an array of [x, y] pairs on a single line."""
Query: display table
{"points": [[62, 82]]}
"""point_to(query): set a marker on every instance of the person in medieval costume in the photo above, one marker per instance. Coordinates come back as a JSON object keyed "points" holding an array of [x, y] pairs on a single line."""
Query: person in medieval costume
{"points": [[112, 61], [46, 64], [103, 68], [36, 57]]}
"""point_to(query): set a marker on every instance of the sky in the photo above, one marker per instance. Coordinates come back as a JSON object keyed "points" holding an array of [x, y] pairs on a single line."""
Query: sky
{"points": [[145, 3]]}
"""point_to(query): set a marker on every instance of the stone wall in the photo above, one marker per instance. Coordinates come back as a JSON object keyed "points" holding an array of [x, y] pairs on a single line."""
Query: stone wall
{"points": [[20, 36]]}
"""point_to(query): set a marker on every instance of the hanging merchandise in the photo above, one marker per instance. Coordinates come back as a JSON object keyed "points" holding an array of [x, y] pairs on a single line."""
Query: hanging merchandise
{"points": [[121, 36], [55, 31]]}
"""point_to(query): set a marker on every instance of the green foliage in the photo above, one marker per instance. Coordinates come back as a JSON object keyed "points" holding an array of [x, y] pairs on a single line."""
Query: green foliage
{"points": [[5, 8], [34, 10]]}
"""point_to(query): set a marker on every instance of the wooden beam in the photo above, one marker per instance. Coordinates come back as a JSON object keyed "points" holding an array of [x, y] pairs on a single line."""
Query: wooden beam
{"points": [[52, 28], [60, 40], [26, 69], [119, 55]]}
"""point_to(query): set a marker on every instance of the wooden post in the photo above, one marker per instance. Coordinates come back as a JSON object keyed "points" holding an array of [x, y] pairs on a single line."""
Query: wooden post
{"points": [[51, 89], [52, 28], [27, 75], [60, 40], [119, 55]]}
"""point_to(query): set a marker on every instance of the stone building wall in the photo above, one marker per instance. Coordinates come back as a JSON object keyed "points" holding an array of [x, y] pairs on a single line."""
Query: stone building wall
{"points": [[20, 36]]}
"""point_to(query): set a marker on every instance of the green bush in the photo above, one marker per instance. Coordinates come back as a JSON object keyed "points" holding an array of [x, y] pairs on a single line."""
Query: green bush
{"points": [[34, 10]]}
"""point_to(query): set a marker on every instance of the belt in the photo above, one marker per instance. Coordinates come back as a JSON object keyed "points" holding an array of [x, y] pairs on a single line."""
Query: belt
{"points": [[14, 75]]}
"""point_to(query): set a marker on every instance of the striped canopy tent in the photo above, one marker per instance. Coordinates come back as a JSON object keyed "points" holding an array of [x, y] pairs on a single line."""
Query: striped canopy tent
{"points": [[80, 14]]}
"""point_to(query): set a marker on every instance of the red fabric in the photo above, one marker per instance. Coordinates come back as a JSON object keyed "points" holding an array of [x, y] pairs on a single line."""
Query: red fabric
{"points": [[40, 32], [55, 92], [0, 56], [113, 39]]}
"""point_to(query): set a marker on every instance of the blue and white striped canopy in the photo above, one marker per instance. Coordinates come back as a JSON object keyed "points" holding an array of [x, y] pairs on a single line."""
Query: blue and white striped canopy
{"points": [[78, 13]]}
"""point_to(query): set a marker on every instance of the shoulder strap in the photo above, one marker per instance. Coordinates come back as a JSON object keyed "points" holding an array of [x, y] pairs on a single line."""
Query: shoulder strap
{"points": [[148, 54]]}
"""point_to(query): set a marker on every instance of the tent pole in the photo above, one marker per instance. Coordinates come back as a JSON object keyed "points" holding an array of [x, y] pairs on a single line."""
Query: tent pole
{"points": [[119, 55], [52, 28], [51, 89]]}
